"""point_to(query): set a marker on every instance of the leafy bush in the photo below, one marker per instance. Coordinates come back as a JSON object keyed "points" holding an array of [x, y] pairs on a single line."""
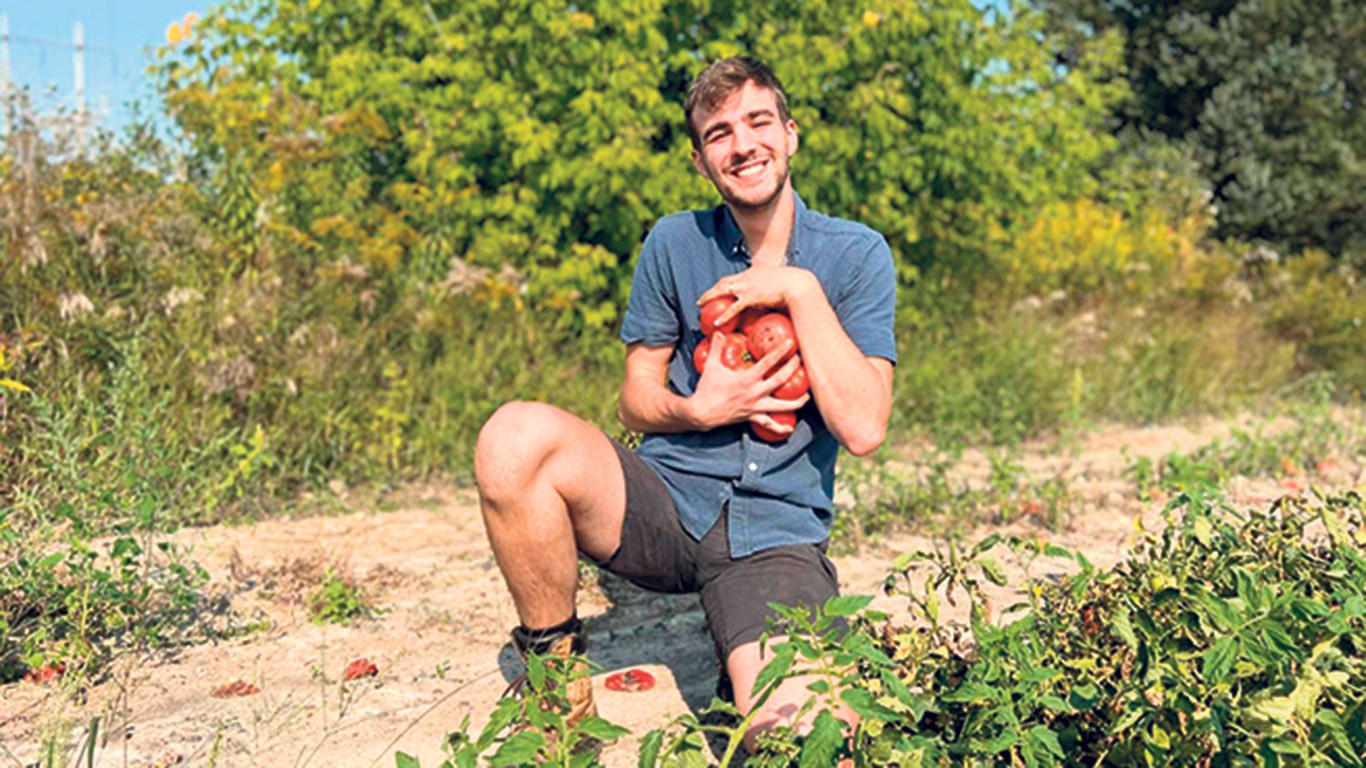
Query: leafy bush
{"points": [[545, 137], [1227, 639]]}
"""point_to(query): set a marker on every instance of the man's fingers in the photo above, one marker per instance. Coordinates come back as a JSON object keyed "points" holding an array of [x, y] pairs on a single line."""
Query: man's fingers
{"points": [[766, 421], [780, 377], [774, 404], [735, 309], [768, 362]]}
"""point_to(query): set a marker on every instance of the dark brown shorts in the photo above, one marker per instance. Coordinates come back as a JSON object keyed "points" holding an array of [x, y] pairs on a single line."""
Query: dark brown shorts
{"points": [[658, 555]]}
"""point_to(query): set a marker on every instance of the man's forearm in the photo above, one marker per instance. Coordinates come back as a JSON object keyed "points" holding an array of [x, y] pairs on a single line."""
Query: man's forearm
{"points": [[850, 393], [650, 407]]}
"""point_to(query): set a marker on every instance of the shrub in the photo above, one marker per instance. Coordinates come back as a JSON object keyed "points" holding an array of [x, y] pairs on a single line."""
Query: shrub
{"points": [[1226, 639]]}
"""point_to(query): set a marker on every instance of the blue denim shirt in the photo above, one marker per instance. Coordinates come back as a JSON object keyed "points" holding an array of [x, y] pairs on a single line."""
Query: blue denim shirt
{"points": [[778, 493]]}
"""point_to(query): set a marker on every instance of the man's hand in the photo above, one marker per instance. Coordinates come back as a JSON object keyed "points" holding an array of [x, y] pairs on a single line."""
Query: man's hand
{"points": [[725, 397], [759, 287]]}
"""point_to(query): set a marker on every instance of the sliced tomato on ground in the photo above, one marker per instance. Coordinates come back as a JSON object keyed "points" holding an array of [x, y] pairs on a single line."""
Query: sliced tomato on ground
{"points": [[630, 681]]}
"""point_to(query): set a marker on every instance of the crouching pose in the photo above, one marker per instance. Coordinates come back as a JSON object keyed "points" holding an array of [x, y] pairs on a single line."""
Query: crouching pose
{"points": [[704, 505]]}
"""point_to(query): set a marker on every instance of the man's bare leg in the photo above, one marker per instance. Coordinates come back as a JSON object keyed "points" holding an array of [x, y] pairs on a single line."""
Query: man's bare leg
{"points": [[744, 665], [550, 483]]}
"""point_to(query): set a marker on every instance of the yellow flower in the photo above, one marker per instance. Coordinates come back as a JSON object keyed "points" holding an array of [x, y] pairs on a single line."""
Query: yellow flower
{"points": [[871, 19], [175, 33]]}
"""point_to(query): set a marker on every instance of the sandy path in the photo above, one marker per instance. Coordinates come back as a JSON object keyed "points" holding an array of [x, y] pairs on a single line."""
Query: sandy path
{"points": [[440, 642]]}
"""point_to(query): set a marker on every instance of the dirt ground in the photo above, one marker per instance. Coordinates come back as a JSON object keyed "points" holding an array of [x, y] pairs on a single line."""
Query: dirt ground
{"points": [[440, 638]]}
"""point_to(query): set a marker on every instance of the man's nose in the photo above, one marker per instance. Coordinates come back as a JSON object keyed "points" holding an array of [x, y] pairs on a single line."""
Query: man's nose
{"points": [[746, 140]]}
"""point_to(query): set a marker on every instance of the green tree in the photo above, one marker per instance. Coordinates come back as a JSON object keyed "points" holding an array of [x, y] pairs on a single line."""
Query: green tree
{"points": [[1267, 95], [547, 136]]}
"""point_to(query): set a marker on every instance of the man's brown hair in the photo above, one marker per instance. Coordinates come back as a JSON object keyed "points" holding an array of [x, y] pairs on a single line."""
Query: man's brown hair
{"points": [[717, 82]]}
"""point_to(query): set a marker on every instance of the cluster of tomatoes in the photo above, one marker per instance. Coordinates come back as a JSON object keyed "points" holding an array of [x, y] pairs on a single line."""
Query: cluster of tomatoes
{"points": [[746, 338]]}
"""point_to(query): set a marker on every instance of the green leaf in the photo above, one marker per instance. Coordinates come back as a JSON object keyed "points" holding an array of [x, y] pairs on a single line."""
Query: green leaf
{"points": [[1003, 741], [822, 743], [971, 692], [1055, 703], [520, 748], [649, 748], [774, 670], [600, 729], [862, 702], [1044, 737], [405, 760], [1123, 628], [993, 571], [847, 605], [1219, 660], [535, 672], [1336, 732]]}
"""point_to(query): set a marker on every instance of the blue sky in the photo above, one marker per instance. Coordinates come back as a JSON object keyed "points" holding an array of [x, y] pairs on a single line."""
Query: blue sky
{"points": [[119, 32], [123, 28]]}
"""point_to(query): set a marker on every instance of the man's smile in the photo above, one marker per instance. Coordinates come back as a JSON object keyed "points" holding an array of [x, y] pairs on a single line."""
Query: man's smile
{"points": [[750, 168]]}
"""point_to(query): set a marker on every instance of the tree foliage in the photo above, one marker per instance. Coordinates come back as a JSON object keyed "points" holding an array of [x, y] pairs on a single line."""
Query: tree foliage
{"points": [[1268, 94], [548, 136]]}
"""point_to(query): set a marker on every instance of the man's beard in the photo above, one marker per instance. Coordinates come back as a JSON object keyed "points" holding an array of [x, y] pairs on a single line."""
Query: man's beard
{"points": [[764, 204]]}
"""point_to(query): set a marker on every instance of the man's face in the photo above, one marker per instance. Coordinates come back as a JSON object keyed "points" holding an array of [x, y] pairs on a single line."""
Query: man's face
{"points": [[745, 147]]}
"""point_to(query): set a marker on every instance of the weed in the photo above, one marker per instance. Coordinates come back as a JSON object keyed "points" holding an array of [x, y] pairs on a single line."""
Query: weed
{"points": [[338, 600]]}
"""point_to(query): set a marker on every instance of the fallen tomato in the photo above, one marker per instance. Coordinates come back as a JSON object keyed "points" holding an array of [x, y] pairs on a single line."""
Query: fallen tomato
{"points": [[234, 689], [630, 681], [45, 673], [358, 669], [785, 418]]}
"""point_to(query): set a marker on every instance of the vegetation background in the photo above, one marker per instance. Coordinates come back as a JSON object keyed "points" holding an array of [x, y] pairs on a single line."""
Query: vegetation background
{"points": [[376, 221]]}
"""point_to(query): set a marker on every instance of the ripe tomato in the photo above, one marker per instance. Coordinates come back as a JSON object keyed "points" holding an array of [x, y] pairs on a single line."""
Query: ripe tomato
{"points": [[733, 354], [769, 332], [786, 418], [747, 318], [700, 354], [712, 310], [796, 385]]}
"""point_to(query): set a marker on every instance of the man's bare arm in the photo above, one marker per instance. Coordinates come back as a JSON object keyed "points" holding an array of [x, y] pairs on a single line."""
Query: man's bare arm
{"points": [[646, 403], [852, 391]]}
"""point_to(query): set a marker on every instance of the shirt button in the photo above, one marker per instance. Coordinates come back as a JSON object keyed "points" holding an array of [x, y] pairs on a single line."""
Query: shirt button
{"points": [[753, 467]]}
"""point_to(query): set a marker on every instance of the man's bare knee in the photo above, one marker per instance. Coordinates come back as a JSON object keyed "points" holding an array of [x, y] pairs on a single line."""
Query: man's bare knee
{"points": [[513, 445]]}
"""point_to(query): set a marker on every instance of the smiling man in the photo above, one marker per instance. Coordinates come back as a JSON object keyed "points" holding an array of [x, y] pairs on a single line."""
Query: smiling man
{"points": [[703, 505]]}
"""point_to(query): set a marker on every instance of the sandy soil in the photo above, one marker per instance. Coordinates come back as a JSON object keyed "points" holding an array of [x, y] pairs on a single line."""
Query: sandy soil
{"points": [[440, 640]]}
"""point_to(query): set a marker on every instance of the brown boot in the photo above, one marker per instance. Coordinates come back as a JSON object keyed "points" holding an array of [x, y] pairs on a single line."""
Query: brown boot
{"points": [[565, 640]]}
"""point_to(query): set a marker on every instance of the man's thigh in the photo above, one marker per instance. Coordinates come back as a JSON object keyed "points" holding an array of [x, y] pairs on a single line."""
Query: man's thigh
{"points": [[655, 552], [543, 456]]}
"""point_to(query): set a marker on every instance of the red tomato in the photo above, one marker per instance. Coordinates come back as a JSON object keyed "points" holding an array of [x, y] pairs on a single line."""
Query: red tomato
{"points": [[768, 333], [796, 385], [786, 418], [700, 354], [733, 353], [630, 681], [747, 318], [358, 669], [712, 310]]}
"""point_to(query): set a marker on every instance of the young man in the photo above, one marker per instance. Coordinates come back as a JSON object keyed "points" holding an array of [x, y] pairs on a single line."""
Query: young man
{"points": [[703, 505]]}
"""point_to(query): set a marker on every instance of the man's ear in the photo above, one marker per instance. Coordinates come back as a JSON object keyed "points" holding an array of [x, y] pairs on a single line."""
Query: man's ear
{"points": [[698, 164], [793, 138]]}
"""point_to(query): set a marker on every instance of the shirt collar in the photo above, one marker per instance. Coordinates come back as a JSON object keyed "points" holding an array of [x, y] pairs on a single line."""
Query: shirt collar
{"points": [[732, 240]]}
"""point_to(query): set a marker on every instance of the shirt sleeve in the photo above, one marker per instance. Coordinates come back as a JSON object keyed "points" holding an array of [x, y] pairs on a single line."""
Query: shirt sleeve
{"points": [[652, 310], [867, 304]]}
